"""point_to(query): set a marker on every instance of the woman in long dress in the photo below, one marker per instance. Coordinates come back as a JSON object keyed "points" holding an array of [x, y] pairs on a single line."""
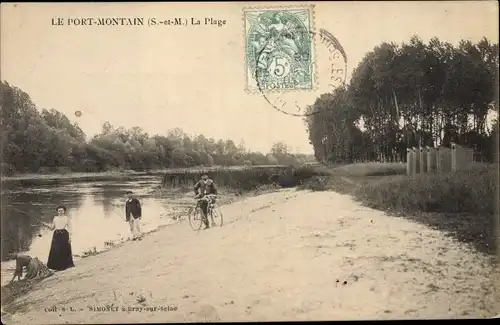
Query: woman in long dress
{"points": [[60, 256]]}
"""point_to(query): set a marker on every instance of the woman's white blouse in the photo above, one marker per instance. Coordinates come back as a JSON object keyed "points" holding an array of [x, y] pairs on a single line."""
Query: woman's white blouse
{"points": [[62, 222]]}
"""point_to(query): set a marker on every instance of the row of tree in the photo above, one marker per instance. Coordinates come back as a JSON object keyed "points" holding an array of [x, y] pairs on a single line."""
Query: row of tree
{"points": [[407, 95], [34, 141]]}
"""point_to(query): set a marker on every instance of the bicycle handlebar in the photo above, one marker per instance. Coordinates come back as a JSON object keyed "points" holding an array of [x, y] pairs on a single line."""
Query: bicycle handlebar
{"points": [[208, 195]]}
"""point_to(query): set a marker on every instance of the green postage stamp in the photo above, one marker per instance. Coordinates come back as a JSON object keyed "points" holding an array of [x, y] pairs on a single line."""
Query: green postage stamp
{"points": [[279, 51]]}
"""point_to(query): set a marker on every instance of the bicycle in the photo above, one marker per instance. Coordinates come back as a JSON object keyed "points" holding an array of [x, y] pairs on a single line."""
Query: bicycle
{"points": [[196, 214]]}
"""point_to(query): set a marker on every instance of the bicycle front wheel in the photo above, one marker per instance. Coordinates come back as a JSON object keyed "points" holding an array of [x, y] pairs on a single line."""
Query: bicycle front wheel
{"points": [[196, 218], [216, 217]]}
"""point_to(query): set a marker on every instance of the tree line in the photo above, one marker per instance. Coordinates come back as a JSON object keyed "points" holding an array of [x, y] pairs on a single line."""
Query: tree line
{"points": [[406, 95], [44, 140]]}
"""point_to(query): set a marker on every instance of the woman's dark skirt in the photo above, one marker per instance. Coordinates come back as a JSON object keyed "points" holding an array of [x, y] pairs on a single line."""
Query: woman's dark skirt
{"points": [[60, 256]]}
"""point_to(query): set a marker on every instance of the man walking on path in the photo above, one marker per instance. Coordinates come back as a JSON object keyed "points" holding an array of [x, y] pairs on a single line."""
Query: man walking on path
{"points": [[133, 214]]}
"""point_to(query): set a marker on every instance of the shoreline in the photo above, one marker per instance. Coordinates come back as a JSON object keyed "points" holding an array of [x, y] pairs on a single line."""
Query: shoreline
{"points": [[228, 196], [225, 200], [69, 176], [264, 225], [90, 175]]}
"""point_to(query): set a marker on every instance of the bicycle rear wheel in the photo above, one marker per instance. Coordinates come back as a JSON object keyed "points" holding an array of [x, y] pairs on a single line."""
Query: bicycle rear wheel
{"points": [[196, 218], [216, 217]]}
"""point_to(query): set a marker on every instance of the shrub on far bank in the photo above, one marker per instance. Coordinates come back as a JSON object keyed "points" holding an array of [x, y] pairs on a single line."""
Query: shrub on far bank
{"points": [[469, 191]]}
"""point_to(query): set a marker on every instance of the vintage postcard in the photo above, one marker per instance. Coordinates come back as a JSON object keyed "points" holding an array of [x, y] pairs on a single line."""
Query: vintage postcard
{"points": [[249, 161]]}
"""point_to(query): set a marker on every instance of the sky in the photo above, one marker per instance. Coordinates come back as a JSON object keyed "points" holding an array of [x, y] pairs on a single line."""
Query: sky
{"points": [[193, 77]]}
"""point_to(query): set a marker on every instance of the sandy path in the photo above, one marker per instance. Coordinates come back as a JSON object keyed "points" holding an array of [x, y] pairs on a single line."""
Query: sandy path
{"points": [[280, 256]]}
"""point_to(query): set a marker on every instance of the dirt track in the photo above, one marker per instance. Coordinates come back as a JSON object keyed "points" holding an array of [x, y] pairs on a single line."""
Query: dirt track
{"points": [[281, 256]]}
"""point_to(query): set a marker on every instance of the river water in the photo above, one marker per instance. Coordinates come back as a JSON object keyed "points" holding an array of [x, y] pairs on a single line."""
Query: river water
{"points": [[96, 208]]}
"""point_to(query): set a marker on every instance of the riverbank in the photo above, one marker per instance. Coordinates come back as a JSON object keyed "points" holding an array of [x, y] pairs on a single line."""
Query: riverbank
{"points": [[178, 202], [108, 174], [462, 204], [34, 179], [227, 196], [248, 177], [273, 260]]}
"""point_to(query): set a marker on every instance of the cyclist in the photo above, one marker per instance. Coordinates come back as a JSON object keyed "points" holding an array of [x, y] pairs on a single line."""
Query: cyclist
{"points": [[205, 189]]}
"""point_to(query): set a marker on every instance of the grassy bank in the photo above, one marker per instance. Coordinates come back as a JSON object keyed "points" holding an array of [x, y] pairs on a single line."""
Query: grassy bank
{"points": [[462, 203], [246, 179]]}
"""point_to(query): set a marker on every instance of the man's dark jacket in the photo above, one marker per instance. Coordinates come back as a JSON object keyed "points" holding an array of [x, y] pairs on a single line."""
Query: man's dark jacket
{"points": [[206, 189], [133, 207]]}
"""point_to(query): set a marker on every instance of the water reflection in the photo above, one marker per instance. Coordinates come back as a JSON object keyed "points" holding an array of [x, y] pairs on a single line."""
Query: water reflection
{"points": [[23, 212], [96, 210]]}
